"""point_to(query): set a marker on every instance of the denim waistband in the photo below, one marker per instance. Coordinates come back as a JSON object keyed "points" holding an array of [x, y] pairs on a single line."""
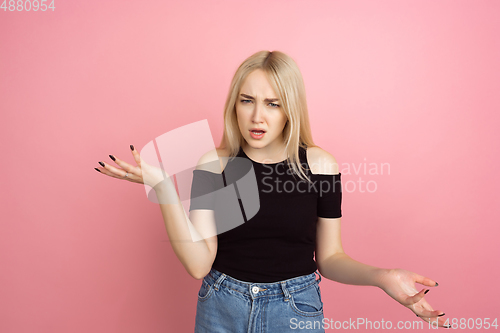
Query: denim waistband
{"points": [[252, 289]]}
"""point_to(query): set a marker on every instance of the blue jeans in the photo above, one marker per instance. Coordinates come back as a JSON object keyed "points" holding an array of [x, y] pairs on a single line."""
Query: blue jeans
{"points": [[228, 305]]}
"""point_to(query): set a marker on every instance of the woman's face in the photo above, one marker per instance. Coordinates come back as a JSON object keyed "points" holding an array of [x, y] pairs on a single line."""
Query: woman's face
{"points": [[257, 106]]}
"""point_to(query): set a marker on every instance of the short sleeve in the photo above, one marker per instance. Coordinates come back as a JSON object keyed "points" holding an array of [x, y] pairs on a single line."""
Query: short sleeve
{"points": [[329, 190], [204, 189]]}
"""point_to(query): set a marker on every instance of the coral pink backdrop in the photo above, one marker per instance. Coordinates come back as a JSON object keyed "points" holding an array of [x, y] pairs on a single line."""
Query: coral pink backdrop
{"points": [[412, 85]]}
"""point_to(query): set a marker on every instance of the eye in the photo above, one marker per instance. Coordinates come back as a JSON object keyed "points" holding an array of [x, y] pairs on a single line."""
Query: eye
{"points": [[274, 105]]}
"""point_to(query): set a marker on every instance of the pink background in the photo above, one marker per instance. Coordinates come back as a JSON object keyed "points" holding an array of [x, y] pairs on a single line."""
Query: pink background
{"points": [[410, 83]]}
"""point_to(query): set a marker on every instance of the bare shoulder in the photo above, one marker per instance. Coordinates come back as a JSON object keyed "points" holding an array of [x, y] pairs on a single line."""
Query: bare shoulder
{"points": [[321, 162], [207, 161]]}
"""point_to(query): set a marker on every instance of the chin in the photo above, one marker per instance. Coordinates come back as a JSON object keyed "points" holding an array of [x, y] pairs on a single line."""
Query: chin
{"points": [[255, 145]]}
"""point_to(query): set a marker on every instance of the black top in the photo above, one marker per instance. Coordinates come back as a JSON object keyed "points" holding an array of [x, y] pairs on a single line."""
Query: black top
{"points": [[277, 241]]}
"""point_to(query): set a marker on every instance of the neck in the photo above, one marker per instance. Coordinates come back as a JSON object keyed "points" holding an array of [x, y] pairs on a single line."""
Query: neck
{"points": [[267, 154]]}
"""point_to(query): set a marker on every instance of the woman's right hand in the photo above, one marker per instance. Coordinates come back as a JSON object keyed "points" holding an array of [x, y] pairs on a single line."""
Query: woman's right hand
{"points": [[143, 173]]}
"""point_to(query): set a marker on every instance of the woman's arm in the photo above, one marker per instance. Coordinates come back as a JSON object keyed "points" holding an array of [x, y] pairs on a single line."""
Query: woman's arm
{"points": [[193, 239], [334, 264], [197, 257]]}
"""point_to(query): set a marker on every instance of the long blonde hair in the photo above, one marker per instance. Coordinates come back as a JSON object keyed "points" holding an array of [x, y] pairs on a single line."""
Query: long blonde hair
{"points": [[284, 76]]}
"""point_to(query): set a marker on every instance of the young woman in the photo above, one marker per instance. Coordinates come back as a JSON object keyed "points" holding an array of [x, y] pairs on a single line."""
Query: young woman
{"points": [[260, 276]]}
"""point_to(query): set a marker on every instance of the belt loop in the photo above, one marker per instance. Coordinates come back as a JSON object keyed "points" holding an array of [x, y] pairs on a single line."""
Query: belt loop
{"points": [[219, 281], [319, 276], [285, 291]]}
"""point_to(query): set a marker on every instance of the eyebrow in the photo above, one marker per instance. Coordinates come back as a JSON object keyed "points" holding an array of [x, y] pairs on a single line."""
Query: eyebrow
{"points": [[266, 100]]}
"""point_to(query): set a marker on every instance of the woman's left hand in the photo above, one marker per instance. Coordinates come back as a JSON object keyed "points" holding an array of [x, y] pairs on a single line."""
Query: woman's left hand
{"points": [[400, 285]]}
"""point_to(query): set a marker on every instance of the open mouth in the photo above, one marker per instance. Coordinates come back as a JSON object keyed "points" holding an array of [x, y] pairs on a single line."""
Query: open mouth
{"points": [[257, 134]]}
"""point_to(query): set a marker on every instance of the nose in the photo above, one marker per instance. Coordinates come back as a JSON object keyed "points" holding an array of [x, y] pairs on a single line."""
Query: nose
{"points": [[257, 115]]}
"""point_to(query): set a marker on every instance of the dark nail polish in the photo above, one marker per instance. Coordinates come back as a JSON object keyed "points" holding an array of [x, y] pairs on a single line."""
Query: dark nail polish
{"points": [[441, 315], [102, 164], [132, 147], [426, 291], [112, 157], [97, 169], [417, 315], [447, 326], [436, 284]]}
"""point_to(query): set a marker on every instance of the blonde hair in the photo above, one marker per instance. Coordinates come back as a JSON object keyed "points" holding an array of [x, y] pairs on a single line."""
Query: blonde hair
{"points": [[284, 76]]}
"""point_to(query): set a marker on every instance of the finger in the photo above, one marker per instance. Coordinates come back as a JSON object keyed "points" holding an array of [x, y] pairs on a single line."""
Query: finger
{"points": [[437, 321], [137, 156], [125, 166], [425, 281], [117, 173], [424, 309], [417, 297], [429, 314], [108, 173], [141, 165]]}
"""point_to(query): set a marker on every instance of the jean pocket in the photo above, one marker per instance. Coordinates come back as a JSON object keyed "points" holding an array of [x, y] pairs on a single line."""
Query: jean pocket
{"points": [[307, 302], [205, 291]]}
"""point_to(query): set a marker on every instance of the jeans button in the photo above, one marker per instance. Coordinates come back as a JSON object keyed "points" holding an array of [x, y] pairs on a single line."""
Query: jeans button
{"points": [[255, 289]]}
